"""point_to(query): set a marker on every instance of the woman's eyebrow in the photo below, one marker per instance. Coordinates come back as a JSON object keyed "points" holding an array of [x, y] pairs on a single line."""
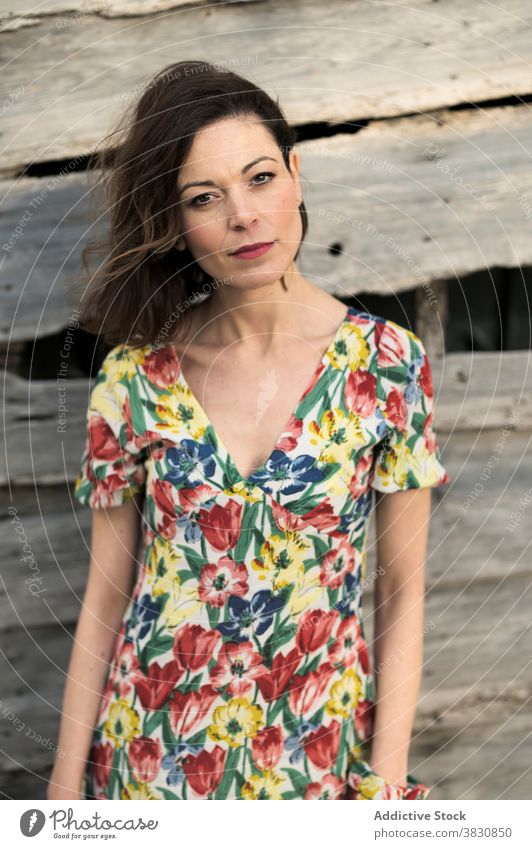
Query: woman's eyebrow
{"points": [[212, 183]]}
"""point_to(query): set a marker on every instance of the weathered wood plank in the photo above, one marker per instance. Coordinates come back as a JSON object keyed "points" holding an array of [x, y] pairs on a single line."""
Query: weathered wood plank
{"points": [[28, 10], [315, 72], [385, 215]]}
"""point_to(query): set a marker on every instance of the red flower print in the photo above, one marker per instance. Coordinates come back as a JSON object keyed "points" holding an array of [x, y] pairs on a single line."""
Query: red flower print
{"points": [[273, 684], [314, 629], [144, 758], [330, 787], [290, 437], [267, 747], [125, 664], [396, 409], [285, 519], [336, 564], [358, 483], [100, 760], [154, 689], [194, 646], [390, 345], [162, 493], [429, 435], [190, 497], [237, 668], [188, 709], [350, 645], [364, 718], [161, 367], [321, 746], [221, 525], [205, 770], [306, 690], [425, 377], [361, 392], [103, 443], [322, 516], [218, 580]]}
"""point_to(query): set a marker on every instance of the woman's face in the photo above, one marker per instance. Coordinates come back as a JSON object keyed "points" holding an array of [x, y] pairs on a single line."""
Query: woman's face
{"points": [[240, 201]]}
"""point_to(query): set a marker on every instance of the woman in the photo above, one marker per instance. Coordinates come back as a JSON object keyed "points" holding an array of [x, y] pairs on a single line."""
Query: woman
{"points": [[234, 664]]}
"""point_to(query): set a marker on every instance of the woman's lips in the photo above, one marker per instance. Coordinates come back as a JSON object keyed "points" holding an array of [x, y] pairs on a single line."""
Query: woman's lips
{"points": [[254, 252]]}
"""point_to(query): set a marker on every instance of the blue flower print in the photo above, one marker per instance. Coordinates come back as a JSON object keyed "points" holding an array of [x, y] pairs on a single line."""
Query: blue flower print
{"points": [[172, 761], [190, 526], [142, 615], [188, 461], [250, 617], [413, 391], [285, 475], [295, 741], [352, 591]]}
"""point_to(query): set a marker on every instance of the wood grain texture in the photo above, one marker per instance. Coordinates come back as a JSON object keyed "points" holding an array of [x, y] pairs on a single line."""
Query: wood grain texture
{"points": [[333, 62]]}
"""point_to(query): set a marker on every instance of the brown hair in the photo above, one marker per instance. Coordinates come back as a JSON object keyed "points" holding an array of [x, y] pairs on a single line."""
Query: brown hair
{"points": [[143, 277]]}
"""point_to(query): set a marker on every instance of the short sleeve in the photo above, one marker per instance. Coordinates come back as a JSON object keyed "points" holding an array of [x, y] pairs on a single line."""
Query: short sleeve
{"points": [[408, 457], [112, 467]]}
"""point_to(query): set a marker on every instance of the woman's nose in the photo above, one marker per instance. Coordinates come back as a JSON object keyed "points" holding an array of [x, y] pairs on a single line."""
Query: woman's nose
{"points": [[241, 209]]}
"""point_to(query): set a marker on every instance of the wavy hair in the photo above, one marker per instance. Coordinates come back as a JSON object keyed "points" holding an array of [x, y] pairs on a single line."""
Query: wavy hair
{"points": [[142, 276]]}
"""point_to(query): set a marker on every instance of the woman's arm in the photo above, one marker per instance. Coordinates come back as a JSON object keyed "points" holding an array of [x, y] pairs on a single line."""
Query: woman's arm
{"points": [[114, 541], [402, 534]]}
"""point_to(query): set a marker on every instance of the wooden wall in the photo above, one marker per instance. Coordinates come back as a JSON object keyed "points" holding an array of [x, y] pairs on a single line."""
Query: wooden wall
{"points": [[415, 136]]}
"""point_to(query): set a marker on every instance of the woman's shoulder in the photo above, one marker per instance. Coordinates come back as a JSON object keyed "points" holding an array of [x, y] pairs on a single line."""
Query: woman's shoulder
{"points": [[394, 342], [122, 362]]}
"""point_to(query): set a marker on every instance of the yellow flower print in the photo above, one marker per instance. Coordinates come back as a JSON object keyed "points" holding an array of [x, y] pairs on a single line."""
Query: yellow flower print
{"points": [[182, 603], [176, 409], [307, 591], [123, 361], [337, 435], [370, 785], [140, 792], [399, 460], [356, 752], [162, 567], [345, 695], [265, 786], [350, 348], [122, 725], [233, 723], [247, 491], [281, 559]]}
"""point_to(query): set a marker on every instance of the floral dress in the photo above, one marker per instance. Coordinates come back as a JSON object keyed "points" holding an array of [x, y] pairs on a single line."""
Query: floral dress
{"points": [[241, 669]]}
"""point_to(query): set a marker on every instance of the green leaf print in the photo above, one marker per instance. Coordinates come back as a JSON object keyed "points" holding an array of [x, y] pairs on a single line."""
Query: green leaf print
{"points": [[195, 561], [110, 789], [249, 520], [233, 756], [166, 793], [169, 738], [299, 782], [151, 722], [137, 409]]}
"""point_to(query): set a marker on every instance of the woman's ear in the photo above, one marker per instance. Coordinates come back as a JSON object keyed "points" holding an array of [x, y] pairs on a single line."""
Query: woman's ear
{"points": [[294, 170], [181, 244]]}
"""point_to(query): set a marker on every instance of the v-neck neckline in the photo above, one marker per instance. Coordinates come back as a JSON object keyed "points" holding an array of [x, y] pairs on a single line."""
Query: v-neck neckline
{"points": [[249, 479]]}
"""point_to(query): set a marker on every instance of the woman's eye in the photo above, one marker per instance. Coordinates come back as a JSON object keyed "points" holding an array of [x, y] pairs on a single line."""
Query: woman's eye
{"points": [[264, 174], [196, 201]]}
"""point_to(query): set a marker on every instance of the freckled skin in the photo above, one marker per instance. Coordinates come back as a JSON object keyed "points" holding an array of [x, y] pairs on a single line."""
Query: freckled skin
{"points": [[241, 208]]}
